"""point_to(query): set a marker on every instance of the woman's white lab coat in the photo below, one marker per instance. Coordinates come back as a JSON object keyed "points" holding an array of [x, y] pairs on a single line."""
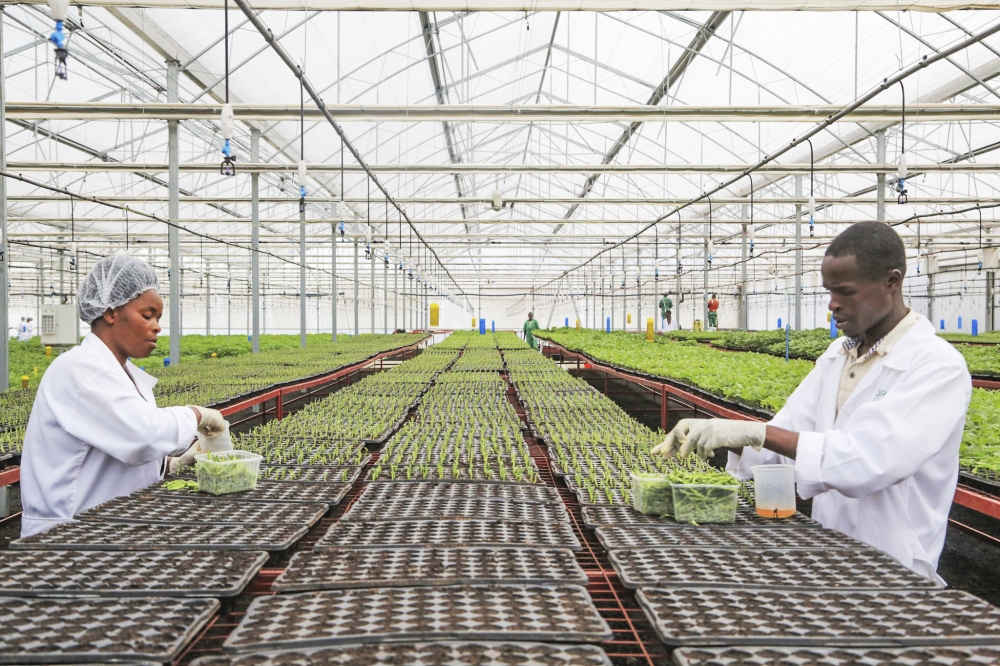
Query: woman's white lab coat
{"points": [[884, 470], [92, 436]]}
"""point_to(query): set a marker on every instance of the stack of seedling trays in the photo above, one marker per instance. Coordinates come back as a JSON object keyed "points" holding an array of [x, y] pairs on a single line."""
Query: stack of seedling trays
{"points": [[434, 569]]}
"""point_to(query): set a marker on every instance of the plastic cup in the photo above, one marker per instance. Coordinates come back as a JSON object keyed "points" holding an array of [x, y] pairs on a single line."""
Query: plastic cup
{"points": [[774, 488]]}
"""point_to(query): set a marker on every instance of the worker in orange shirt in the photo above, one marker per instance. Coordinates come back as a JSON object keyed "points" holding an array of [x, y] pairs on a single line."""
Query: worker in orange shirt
{"points": [[713, 313]]}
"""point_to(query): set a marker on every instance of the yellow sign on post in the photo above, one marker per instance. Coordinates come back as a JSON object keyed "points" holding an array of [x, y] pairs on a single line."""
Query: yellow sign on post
{"points": [[473, 323], [649, 330], [697, 325], [435, 314], [578, 324], [628, 319]]}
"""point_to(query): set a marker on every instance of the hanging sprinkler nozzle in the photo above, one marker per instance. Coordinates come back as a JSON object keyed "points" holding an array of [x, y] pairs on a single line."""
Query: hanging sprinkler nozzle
{"points": [[302, 187], [812, 213], [901, 182], [59, 9], [227, 121]]}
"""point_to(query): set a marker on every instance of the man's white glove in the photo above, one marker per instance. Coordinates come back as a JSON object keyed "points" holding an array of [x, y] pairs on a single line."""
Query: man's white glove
{"points": [[185, 459], [212, 422], [704, 436]]}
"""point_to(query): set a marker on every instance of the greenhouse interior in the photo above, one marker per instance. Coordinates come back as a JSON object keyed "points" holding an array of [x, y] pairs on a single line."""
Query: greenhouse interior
{"points": [[499, 333]]}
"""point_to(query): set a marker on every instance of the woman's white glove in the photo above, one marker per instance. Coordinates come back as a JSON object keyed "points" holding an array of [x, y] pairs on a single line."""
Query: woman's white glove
{"points": [[212, 422], [704, 436], [219, 443], [185, 459]]}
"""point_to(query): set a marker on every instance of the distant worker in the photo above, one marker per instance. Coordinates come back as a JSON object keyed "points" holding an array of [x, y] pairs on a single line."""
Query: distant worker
{"points": [[874, 430], [95, 432], [713, 313], [30, 329], [22, 330], [666, 311], [530, 327]]}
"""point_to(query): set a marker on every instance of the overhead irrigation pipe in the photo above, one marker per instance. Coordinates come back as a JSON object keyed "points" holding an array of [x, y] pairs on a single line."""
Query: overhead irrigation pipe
{"points": [[269, 37], [829, 120]]}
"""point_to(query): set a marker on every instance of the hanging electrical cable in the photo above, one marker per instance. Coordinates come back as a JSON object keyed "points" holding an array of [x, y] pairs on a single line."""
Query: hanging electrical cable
{"points": [[368, 227], [59, 10], [812, 182], [901, 181], [302, 149], [227, 120], [711, 245], [750, 228], [979, 253]]}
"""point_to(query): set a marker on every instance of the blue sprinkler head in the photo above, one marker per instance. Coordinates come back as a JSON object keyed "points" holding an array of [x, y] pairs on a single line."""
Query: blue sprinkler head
{"points": [[60, 39], [656, 275], [228, 166], [812, 228], [302, 198], [340, 227]]}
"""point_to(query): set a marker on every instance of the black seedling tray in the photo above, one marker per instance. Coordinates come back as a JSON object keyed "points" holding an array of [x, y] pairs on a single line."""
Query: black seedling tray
{"points": [[452, 653], [330, 494], [310, 473], [834, 568], [447, 474], [561, 613], [88, 630], [720, 617], [396, 567], [145, 536], [168, 511], [818, 656], [714, 536], [596, 516], [390, 490], [141, 574], [455, 509], [449, 533]]}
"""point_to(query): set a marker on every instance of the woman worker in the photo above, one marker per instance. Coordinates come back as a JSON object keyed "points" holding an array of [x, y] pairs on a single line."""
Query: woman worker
{"points": [[95, 431]]}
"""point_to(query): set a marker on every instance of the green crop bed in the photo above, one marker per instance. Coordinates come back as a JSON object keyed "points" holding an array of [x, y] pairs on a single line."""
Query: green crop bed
{"points": [[754, 380]]}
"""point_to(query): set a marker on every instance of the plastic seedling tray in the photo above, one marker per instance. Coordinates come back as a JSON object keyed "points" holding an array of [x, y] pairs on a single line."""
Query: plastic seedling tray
{"points": [[310, 473], [481, 653], [145, 536], [449, 533], [721, 617], [330, 494], [597, 516], [478, 474], [455, 509], [169, 511], [350, 568], [141, 574], [381, 492], [655, 536], [702, 504], [836, 568], [819, 656], [89, 630], [560, 613], [225, 473]]}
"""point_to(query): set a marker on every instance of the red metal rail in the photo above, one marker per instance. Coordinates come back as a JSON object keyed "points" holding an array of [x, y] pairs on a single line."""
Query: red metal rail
{"points": [[986, 384], [980, 502]]}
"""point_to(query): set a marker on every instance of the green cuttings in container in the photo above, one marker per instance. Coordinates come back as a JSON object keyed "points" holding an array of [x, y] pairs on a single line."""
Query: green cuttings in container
{"points": [[219, 474], [704, 497], [652, 494]]}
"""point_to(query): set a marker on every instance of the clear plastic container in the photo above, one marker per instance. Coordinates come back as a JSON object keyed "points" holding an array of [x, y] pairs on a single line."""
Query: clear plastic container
{"points": [[229, 472], [705, 504], [652, 494], [774, 489]]}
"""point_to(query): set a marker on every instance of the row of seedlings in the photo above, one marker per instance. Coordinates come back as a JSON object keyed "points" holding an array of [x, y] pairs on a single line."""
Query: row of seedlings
{"points": [[139, 577], [752, 591], [453, 553]]}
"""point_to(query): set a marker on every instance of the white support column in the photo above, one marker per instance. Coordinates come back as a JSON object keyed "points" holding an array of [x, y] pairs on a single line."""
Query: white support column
{"points": [[208, 299], [4, 254], [704, 284], [385, 296], [744, 300], [371, 300], [880, 178], [798, 255], [302, 279], [333, 280], [255, 239], [174, 210], [395, 298], [357, 325]]}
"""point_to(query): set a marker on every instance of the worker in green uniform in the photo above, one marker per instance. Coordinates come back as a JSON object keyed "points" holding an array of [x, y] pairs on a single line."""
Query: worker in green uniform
{"points": [[713, 313], [529, 327], [666, 306]]}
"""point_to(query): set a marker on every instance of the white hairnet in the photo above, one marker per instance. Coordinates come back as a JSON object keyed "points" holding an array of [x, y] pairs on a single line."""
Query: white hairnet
{"points": [[113, 282]]}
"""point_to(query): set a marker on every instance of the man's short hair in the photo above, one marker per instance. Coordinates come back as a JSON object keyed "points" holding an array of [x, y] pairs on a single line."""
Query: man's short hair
{"points": [[876, 247]]}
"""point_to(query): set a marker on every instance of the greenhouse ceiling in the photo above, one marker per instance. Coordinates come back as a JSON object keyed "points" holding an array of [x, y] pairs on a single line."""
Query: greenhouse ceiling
{"points": [[552, 143]]}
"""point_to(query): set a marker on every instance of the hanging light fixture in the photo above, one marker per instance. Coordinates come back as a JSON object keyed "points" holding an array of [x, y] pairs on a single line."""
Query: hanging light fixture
{"points": [[59, 9]]}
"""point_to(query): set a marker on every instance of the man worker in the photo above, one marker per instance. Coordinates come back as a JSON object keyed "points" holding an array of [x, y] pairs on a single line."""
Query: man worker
{"points": [[529, 327], [95, 431], [713, 313], [874, 430], [666, 307]]}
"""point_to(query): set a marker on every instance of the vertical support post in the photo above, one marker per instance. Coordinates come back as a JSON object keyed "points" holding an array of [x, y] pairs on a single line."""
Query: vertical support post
{"points": [[680, 294], [880, 178], [255, 238], [357, 325], [333, 277], [395, 298], [302, 278], [798, 255], [704, 284], [990, 295], [174, 212], [371, 301], [208, 299], [744, 303], [930, 300], [385, 295], [4, 254], [663, 408]]}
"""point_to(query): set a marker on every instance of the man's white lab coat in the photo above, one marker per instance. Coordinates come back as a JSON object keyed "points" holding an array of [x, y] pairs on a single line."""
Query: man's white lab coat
{"points": [[884, 470], [92, 436]]}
